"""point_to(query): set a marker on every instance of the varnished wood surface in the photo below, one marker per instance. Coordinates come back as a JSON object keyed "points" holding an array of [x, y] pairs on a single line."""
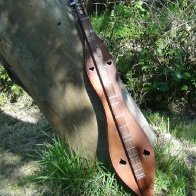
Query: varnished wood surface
{"points": [[116, 146], [132, 159]]}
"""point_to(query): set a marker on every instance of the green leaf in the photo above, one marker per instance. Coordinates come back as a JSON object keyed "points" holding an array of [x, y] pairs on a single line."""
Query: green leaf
{"points": [[184, 88], [187, 75], [159, 51], [138, 5], [112, 13]]}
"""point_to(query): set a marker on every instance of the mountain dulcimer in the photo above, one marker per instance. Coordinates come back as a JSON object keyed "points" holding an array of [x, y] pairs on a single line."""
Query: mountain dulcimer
{"points": [[131, 153]]}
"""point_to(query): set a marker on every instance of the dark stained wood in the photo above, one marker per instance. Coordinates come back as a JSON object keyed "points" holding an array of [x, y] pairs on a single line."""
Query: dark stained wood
{"points": [[130, 151], [119, 148]]}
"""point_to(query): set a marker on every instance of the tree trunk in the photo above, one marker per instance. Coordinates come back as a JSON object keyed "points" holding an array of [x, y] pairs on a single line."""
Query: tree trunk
{"points": [[41, 42]]}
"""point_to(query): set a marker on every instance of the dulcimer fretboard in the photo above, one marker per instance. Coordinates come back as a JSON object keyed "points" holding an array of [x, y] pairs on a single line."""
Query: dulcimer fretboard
{"points": [[113, 99]]}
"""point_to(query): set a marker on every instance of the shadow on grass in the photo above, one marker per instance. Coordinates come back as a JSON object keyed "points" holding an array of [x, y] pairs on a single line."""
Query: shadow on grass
{"points": [[172, 173], [21, 137], [184, 127], [181, 125], [18, 139]]}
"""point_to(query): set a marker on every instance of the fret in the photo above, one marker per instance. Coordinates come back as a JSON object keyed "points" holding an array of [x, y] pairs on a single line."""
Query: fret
{"points": [[137, 164], [114, 103], [118, 116], [116, 109], [122, 127], [140, 170], [113, 99], [130, 148], [140, 176], [124, 130], [110, 90], [120, 119], [139, 173], [132, 151], [135, 160], [126, 136], [127, 140], [129, 145], [136, 168], [133, 156], [112, 96]]}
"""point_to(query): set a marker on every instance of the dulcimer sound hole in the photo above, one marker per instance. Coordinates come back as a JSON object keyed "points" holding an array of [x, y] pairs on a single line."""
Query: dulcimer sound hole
{"points": [[122, 162], [109, 62], [146, 153], [91, 68]]}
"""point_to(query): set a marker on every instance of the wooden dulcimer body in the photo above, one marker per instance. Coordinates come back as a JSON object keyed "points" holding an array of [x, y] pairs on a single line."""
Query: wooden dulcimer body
{"points": [[131, 153]]}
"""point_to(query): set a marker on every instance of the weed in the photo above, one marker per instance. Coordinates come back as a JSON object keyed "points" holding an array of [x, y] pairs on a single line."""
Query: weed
{"points": [[68, 173]]}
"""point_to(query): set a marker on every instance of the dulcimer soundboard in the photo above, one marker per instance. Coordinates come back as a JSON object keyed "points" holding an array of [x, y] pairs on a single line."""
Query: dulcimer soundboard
{"points": [[131, 153]]}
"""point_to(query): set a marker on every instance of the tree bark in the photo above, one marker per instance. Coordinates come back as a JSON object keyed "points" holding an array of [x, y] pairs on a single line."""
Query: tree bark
{"points": [[41, 42]]}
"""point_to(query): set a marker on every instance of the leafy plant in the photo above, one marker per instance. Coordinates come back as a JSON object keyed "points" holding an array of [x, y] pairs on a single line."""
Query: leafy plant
{"points": [[7, 86], [153, 45]]}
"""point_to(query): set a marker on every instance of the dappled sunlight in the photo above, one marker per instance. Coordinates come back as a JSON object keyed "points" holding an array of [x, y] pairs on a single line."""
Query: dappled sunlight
{"points": [[42, 45], [48, 73], [8, 158], [22, 110], [25, 170], [11, 187], [178, 132], [21, 130]]}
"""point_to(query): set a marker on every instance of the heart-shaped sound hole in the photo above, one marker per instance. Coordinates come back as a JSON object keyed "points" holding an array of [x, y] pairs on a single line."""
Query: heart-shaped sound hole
{"points": [[109, 62], [91, 68], [122, 162]]}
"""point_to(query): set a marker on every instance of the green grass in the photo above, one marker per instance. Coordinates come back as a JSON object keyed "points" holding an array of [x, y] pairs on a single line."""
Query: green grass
{"points": [[180, 125], [65, 172], [173, 177]]}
